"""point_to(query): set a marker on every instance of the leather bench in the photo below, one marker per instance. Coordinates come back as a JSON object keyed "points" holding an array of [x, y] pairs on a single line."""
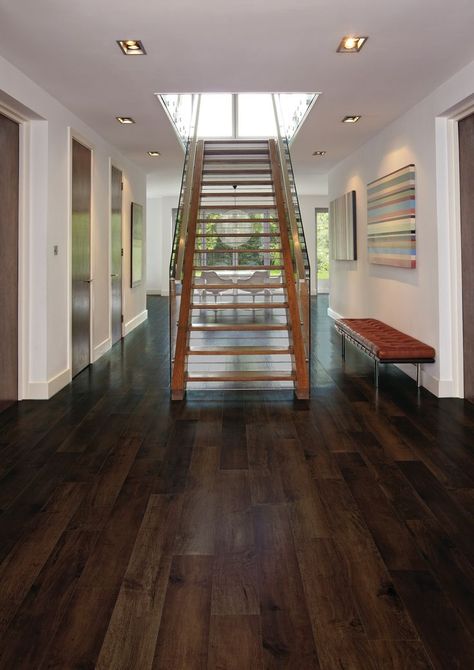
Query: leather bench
{"points": [[384, 344]]}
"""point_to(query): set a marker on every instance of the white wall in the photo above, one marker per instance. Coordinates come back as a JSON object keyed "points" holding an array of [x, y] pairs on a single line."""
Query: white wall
{"points": [[45, 222], [420, 301], [160, 230]]}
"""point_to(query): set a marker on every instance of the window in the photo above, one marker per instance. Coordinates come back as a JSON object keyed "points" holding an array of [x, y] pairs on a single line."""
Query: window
{"points": [[255, 114], [322, 249], [215, 115]]}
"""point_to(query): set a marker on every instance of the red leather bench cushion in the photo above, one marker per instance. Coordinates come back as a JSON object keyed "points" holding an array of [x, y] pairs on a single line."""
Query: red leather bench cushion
{"points": [[386, 342]]}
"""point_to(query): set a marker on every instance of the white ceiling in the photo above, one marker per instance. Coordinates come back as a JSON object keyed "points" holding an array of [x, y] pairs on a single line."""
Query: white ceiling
{"points": [[251, 45]]}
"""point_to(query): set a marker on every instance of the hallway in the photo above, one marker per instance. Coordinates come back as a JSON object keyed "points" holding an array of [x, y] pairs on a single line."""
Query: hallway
{"points": [[236, 530]]}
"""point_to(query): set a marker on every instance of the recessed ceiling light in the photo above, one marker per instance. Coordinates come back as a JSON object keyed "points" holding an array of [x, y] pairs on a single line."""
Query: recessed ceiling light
{"points": [[153, 154], [125, 120], [350, 119], [351, 44], [132, 47], [319, 153]]}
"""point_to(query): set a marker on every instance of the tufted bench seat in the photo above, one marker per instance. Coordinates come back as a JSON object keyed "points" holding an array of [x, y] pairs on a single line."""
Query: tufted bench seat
{"points": [[384, 344]]}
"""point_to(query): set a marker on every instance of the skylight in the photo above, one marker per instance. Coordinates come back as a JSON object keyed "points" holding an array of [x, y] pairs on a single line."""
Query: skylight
{"points": [[237, 115], [215, 115], [255, 115]]}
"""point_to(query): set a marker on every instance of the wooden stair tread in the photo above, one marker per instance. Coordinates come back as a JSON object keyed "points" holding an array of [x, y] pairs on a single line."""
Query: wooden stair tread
{"points": [[236, 151], [226, 287], [238, 351], [241, 375], [237, 141], [241, 206], [238, 182], [238, 234], [238, 267], [238, 251], [235, 171], [239, 305], [239, 326], [237, 161], [237, 194], [239, 221]]}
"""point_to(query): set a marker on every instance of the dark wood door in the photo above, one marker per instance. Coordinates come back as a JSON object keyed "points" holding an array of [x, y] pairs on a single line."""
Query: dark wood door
{"points": [[81, 266], [9, 190], [116, 255], [466, 168]]}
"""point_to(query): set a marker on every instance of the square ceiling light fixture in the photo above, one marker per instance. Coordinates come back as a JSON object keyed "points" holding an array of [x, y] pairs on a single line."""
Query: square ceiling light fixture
{"points": [[351, 45], [132, 47], [351, 119], [125, 120]]}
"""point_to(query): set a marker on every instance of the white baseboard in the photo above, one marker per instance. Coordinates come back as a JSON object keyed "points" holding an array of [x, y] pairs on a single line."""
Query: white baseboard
{"points": [[441, 388], [136, 321], [334, 315], [101, 349], [153, 291], [46, 390]]}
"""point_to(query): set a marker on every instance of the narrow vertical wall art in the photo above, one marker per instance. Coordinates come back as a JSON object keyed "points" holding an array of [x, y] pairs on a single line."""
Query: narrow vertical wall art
{"points": [[391, 219]]}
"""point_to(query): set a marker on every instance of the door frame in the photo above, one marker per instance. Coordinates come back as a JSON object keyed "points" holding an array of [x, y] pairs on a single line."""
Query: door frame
{"points": [[75, 135], [451, 382], [117, 166], [23, 245]]}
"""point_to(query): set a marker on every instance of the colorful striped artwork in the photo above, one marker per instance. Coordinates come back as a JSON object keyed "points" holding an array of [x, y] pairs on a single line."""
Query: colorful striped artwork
{"points": [[391, 219]]}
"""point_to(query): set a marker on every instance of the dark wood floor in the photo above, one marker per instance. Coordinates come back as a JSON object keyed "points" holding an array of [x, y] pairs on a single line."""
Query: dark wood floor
{"points": [[236, 530]]}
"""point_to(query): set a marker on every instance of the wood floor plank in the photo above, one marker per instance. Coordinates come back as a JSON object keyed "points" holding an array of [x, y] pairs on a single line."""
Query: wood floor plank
{"points": [[266, 483], [392, 537], [383, 430], [234, 518], [234, 454], [27, 640], [196, 530], [400, 655], [172, 477], [382, 611], [80, 635], [321, 461], [458, 524], [23, 564], [286, 628], [235, 642], [452, 570], [235, 585], [133, 629], [337, 626], [184, 632], [448, 643]]}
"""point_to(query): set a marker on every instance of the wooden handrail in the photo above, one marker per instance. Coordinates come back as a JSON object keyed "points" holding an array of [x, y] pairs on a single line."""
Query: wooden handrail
{"points": [[178, 377], [301, 364]]}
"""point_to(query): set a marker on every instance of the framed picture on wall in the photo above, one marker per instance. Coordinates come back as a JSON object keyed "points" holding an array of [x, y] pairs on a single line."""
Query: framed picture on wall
{"points": [[136, 245], [391, 221]]}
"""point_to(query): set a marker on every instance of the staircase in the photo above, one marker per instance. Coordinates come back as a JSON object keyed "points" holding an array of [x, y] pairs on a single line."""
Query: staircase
{"points": [[238, 301]]}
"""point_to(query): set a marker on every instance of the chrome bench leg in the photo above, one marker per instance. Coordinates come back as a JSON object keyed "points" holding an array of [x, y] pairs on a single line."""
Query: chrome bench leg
{"points": [[376, 373], [418, 374]]}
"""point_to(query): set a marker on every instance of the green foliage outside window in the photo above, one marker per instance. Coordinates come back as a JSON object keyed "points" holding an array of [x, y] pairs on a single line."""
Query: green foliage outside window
{"points": [[322, 232]]}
